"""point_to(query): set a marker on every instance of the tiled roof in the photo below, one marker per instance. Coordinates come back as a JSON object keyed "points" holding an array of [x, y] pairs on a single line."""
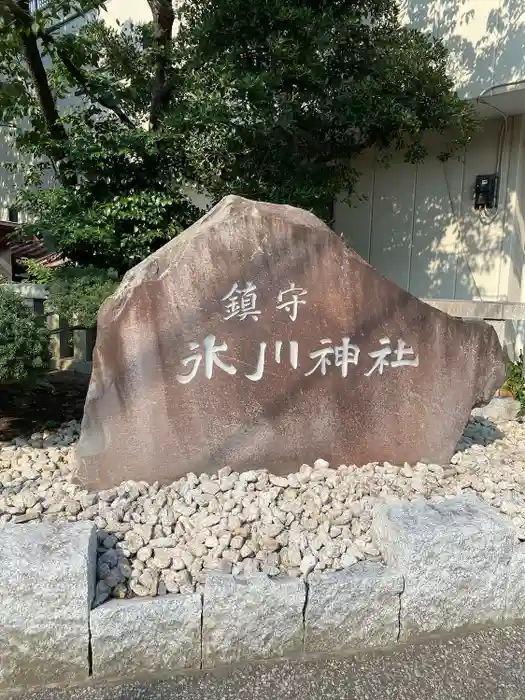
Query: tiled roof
{"points": [[33, 249], [36, 251], [6, 227]]}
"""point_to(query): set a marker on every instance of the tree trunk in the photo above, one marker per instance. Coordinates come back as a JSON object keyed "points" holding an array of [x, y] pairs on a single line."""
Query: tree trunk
{"points": [[163, 20], [23, 19]]}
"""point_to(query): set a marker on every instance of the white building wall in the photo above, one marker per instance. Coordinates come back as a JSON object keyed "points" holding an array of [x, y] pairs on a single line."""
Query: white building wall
{"points": [[125, 11], [5, 265], [417, 224], [9, 182], [485, 38]]}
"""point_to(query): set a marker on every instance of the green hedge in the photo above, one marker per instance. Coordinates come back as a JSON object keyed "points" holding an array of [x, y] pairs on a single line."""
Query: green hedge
{"points": [[24, 340]]}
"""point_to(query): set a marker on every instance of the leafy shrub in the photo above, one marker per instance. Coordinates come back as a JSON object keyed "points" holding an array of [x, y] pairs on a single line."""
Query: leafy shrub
{"points": [[515, 382], [75, 293], [24, 341]]}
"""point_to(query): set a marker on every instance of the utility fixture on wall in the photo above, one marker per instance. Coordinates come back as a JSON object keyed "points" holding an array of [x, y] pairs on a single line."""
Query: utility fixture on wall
{"points": [[486, 191]]}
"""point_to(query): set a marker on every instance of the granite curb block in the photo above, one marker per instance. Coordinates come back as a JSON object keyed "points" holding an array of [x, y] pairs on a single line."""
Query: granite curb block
{"points": [[251, 619], [352, 609], [47, 582], [147, 635], [454, 556], [453, 564]]}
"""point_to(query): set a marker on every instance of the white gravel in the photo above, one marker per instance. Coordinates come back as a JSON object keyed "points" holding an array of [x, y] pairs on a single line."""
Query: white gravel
{"points": [[155, 540]]}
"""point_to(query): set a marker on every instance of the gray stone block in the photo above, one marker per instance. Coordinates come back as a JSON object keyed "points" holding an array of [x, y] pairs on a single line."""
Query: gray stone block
{"points": [[139, 637], [352, 609], [253, 618], [47, 580], [499, 409], [515, 600], [454, 557]]}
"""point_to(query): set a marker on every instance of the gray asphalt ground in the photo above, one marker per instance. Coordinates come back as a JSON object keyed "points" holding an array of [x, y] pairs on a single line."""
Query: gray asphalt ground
{"points": [[486, 665]]}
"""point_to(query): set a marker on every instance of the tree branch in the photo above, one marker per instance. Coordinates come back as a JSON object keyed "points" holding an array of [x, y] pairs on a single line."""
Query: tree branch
{"points": [[21, 13], [23, 20], [83, 79], [97, 4], [163, 20]]}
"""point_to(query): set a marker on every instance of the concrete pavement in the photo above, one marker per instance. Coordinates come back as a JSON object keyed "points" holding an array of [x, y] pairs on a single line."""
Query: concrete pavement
{"points": [[486, 665]]}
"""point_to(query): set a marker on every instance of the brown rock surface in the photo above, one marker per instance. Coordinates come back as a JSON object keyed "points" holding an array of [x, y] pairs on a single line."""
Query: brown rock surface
{"points": [[257, 339]]}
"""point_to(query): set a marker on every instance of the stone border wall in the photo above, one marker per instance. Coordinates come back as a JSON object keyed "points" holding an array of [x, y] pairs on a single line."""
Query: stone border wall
{"points": [[452, 565]]}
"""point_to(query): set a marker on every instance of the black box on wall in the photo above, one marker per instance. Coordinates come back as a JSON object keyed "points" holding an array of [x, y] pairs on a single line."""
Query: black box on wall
{"points": [[486, 191]]}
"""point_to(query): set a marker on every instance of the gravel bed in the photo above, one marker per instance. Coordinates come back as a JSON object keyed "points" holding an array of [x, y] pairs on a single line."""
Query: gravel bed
{"points": [[155, 540]]}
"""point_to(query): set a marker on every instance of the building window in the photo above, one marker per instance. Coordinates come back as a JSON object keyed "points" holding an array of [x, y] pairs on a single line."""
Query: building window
{"points": [[13, 215], [18, 270], [35, 5]]}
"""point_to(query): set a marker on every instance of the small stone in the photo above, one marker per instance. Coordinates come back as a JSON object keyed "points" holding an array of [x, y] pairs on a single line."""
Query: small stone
{"points": [[102, 593], [270, 570], [270, 544], [55, 508], [210, 520], [406, 471], [29, 474], [294, 556], [237, 542], [248, 477], [139, 589], [222, 565], [113, 578], [210, 487], [72, 507], [321, 464], [308, 564], [508, 508], [30, 499], [124, 569], [348, 560], [171, 582], [177, 563], [161, 542], [198, 549], [187, 558], [281, 481], [246, 550], [88, 499], [150, 581], [110, 557], [120, 591], [107, 496], [477, 484], [231, 555], [228, 483], [144, 553], [26, 517], [161, 559], [144, 531]]}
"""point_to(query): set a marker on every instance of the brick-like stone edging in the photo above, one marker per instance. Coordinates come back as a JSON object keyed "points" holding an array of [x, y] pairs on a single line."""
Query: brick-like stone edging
{"points": [[450, 565]]}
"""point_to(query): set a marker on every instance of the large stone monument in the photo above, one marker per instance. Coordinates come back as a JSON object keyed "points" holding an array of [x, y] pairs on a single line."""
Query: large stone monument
{"points": [[257, 339]]}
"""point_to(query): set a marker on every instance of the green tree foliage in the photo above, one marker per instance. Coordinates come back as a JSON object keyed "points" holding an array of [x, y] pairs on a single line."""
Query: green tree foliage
{"points": [[24, 341], [104, 178], [274, 100], [285, 95], [75, 292]]}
